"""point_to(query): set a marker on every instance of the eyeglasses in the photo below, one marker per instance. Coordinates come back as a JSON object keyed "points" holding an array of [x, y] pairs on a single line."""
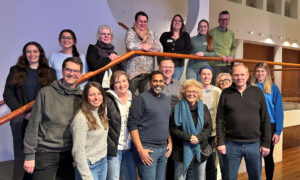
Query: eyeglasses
{"points": [[105, 34], [224, 81], [68, 70], [66, 38], [192, 92]]}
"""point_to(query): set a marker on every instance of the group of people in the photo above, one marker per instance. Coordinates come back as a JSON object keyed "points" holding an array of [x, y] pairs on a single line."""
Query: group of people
{"points": [[168, 130]]}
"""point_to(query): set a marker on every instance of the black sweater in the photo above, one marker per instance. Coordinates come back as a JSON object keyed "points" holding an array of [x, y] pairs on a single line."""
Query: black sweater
{"points": [[243, 117]]}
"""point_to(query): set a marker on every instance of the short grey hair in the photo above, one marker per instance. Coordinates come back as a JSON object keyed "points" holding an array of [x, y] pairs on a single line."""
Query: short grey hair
{"points": [[104, 26]]}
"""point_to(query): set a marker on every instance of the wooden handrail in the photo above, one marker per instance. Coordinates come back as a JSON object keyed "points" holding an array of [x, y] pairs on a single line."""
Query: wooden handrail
{"points": [[123, 25], [127, 55]]}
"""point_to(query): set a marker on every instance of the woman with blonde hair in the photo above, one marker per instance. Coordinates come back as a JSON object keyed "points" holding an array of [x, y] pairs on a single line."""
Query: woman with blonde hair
{"points": [[190, 126], [89, 131], [262, 78]]}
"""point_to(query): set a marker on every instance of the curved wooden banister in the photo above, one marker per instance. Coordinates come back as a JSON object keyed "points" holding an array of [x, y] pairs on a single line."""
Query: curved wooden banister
{"points": [[125, 56], [123, 25]]}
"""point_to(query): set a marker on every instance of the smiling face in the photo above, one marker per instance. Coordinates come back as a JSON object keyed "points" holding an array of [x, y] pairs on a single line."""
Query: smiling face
{"points": [[71, 73], [191, 94], [142, 23], [203, 28], [224, 82], [167, 68], [32, 54], [95, 98], [105, 36], [121, 85], [66, 40], [177, 23], [261, 74], [224, 20], [206, 76], [157, 83]]}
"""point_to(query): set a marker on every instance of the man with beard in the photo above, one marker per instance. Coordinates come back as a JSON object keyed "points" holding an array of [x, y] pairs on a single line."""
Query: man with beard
{"points": [[148, 123]]}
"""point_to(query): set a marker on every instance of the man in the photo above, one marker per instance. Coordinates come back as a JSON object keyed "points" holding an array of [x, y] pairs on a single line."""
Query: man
{"points": [[140, 37], [48, 141], [243, 125], [225, 44], [172, 86], [211, 96], [148, 123]]}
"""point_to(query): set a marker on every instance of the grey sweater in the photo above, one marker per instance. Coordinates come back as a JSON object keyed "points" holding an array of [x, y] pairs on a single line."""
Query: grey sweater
{"points": [[49, 125], [87, 144]]}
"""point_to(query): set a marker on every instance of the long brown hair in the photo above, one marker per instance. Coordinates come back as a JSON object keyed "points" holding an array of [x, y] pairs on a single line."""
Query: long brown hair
{"points": [[267, 84], [86, 110], [21, 68], [209, 38], [182, 29]]}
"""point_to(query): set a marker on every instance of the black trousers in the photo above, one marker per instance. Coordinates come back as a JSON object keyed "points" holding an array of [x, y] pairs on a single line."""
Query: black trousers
{"points": [[211, 169], [53, 166], [269, 161]]}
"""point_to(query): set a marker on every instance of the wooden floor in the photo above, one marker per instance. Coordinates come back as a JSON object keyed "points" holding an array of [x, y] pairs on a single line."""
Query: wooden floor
{"points": [[289, 168]]}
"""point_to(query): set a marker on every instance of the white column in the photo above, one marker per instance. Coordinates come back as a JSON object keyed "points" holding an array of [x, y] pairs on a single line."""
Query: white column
{"points": [[244, 2], [277, 58], [239, 54], [294, 9], [264, 5]]}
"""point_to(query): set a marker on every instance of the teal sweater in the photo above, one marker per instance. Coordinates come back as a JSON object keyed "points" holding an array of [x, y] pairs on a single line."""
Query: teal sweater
{"points": [[225, 44], [199, 44]]}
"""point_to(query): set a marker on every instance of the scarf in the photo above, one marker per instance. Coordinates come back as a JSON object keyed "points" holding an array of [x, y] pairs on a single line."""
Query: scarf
{"points": [[104, 50], [143, 35], [183, 117]]}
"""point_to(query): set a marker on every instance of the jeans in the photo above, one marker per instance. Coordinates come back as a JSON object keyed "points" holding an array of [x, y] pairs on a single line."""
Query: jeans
{"points": [[269, 161], [196, 172], [193, 73], [218, 70], [211, 169], [98, 170], [178, 72], [122, 165], [138, 82], [156, 170], [234, 153], [53, 165]]}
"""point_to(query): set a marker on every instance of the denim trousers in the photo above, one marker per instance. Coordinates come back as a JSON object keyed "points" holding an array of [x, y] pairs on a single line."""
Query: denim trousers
{"points": [[121, 165], [251, 153], [178, 71], [193, 73], [195, 172], [98, 170], [156, 170], [53, 165]]}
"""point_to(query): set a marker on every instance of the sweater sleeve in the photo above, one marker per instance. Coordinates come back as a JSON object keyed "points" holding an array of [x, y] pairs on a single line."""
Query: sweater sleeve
{"points": [[265, 122], [207, 128], [177, 130], [135, 113], [31, 134], [220, 120], [132, 42], [278, 109], [9, 94], [94, 61], [233, 46], [79, 131]]}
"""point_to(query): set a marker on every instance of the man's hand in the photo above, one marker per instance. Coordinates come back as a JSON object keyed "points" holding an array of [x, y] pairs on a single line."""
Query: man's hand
{"points": [[222, 149], [229, 59], [169, 150], [194, 140], [264, 151], [145, 157], [224, 58], [29, 166], [275, 138]]}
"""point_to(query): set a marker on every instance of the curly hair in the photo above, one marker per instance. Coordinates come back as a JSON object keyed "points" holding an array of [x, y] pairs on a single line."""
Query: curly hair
{"points": [[21, 68], [188, 83]]}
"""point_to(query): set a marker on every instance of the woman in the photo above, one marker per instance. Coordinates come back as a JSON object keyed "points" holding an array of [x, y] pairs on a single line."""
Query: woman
{"points": [[223, 80], [119, 159], [262, 78], [67, 40], [177, 41], [22, 85], [191, 127], [100, 54], [89, 130], [202, 45]]}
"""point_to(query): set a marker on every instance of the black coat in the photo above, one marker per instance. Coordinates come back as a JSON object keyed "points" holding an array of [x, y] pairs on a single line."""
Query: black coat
{"points": [[178, 136], [114, 116]]}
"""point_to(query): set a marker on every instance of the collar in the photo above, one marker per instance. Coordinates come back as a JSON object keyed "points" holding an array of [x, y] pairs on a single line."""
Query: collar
{"points": [[222, 30]]}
